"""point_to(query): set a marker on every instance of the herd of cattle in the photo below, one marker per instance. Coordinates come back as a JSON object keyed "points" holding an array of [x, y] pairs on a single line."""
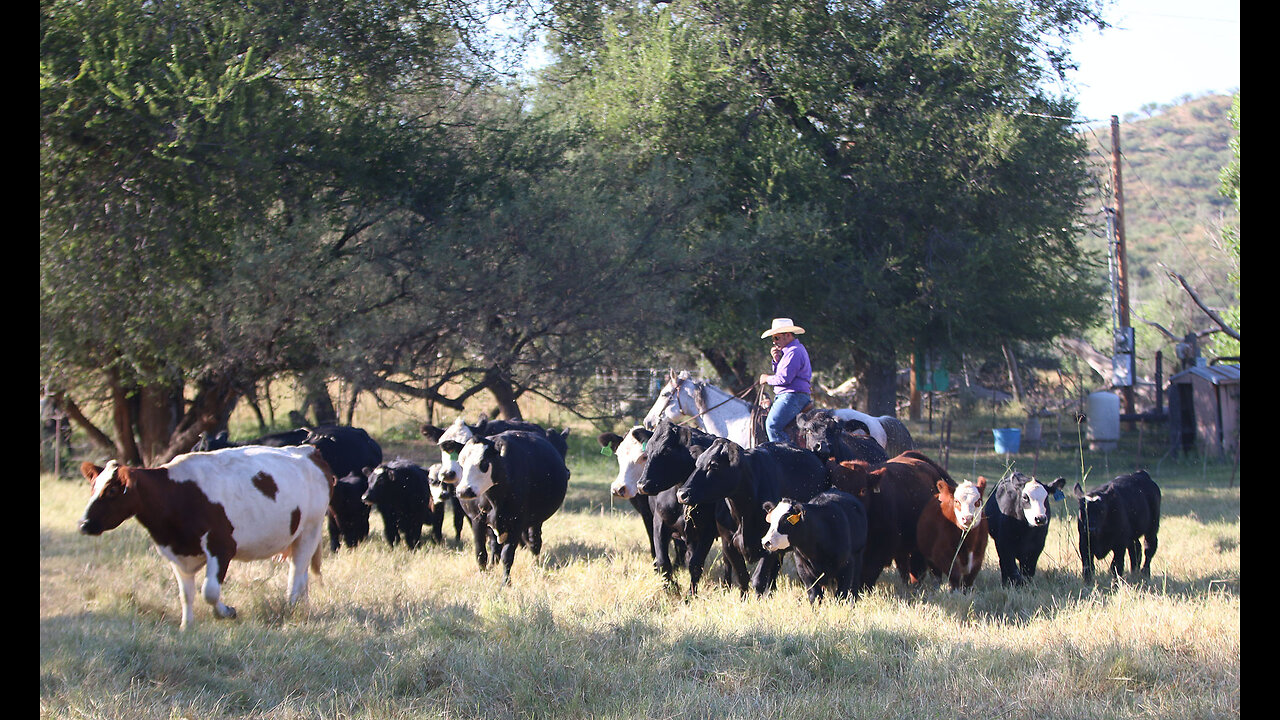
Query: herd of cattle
{"points": [[836, 502]]}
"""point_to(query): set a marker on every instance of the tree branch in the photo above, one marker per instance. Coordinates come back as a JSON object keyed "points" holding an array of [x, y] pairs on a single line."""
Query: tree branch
{"points": [[1207, 311]]}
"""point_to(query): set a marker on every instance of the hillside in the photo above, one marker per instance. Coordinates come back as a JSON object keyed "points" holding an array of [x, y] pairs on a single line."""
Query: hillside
{"points": [[1174, 212]]}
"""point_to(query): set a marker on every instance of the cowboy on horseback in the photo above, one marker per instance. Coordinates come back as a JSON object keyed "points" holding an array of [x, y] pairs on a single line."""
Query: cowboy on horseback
{"points": [[790, 379]]}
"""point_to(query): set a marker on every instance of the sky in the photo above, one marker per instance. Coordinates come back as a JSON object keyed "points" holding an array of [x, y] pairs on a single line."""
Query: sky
{"points": [[1155, 52]]}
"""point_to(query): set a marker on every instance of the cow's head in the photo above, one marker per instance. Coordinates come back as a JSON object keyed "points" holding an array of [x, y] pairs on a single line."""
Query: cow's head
{"points": [[631, 453], [1094, 510], [451, 440], [1028, 498], [783, 518], [965, 500], [113, 498], [440, 490], [669, 462], [716, 473], [381, 480], [820, 431], [482, 467]]}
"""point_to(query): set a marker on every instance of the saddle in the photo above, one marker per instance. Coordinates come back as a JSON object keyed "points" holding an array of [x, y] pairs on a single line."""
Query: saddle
{"points": [[760, 435]]}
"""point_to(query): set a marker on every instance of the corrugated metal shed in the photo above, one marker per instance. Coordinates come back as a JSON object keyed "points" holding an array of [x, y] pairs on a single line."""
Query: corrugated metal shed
{"points": [[1204, 409]]}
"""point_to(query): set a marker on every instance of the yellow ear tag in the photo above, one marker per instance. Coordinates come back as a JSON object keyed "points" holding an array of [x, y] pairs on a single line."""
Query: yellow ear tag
{"points": [[793, 519]]}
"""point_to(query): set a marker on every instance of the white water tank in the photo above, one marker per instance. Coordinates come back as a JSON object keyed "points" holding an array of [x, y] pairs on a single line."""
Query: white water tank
{"points": [[1103, 411]]}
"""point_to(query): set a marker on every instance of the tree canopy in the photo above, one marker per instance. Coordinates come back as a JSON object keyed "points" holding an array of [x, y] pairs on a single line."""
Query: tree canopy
{"points": [[231, 192]]}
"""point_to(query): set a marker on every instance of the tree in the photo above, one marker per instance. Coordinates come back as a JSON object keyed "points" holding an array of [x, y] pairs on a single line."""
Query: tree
{"points": [[891, 174], [209, 177], [1227, 345]]}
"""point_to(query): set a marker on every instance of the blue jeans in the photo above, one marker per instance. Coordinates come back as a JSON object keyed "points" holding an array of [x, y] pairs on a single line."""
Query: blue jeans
{"points": [[785, 408]]}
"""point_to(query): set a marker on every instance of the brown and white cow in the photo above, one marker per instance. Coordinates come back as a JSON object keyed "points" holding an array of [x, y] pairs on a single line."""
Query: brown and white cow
{"points": [[204, 509], [952, 532]]}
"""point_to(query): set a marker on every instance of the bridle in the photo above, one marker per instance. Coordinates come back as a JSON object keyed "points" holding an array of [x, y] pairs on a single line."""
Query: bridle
{"points": [[697, 416]]}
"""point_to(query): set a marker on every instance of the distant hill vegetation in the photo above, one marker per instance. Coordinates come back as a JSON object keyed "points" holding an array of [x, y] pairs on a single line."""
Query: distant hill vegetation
{"points": [[1173, 210]]}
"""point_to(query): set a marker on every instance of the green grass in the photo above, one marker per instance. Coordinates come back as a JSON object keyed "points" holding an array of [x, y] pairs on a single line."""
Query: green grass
{"points": [[590, 632]]}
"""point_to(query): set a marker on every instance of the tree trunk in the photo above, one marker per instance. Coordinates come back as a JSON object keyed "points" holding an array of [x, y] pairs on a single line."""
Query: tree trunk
{"points": [[317, 398], [158, 409], [880, 380], [503, 393], [734, 373], [1015, 377], [96, 436], [122, 421]]}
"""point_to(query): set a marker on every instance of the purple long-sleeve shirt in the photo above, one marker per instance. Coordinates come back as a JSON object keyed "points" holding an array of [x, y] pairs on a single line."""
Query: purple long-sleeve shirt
{"points": [[792, 373]]}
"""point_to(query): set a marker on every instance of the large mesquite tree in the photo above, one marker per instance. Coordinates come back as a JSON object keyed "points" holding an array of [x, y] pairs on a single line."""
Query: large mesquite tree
{"points": [[212, 178], [891, 174]]}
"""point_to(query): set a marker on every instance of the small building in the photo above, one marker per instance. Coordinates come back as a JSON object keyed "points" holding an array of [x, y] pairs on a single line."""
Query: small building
{"points": [[1204, 410]]}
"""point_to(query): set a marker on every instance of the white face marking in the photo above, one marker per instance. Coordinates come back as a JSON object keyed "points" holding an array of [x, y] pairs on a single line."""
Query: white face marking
{"points": [[437, 486], [472, 481], [631, 460], [774, 540], [968, 499], [1034, 497], [457, 432]]}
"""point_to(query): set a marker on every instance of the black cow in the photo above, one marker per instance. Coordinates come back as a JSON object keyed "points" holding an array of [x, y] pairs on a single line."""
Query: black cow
{"points": [[672, 451], [348, 513], [746, 479], [401, 490], [523, 479], [347, 449], [827, 436], [1017, 513], [828, 535], [442, 496], [631, 456], [1113, 517], [219, 440]]}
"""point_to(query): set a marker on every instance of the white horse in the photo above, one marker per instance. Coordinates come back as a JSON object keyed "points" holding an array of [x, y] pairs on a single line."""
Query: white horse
{"points": [[721, 413], [707, 407]]}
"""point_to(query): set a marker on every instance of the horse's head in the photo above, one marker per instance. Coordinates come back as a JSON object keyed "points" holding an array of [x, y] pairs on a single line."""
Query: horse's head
{"points": [[676, 402]]}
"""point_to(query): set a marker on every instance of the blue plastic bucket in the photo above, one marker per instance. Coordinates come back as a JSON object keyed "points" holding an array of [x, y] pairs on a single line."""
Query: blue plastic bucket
{"points": [[1007, 440]]}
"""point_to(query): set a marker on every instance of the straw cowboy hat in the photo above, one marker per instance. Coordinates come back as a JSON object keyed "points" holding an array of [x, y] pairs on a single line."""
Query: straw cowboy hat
{"points": [[781, 325]]}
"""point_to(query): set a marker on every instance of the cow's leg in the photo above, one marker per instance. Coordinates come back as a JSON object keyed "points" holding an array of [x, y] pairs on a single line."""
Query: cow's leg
{"points": [[215, 571], [413, 532], [766, 573], [481, 535], [335, 534], [457, 520], [508, 557], [1135, 556], [389, 530], [659, 545], [1117, 561], [738, 564], [1150, 542], [698, 551], [186, 592], [302, 554], [533, 538], [1086, 560]]}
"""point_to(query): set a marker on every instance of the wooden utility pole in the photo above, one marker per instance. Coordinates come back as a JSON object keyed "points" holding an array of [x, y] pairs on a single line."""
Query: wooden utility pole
{"points": [[1122, 263]]}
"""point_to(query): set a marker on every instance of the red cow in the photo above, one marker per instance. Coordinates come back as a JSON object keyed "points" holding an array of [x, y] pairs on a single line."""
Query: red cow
{"points": [[894, 492], [952, 532], [204, 509]]}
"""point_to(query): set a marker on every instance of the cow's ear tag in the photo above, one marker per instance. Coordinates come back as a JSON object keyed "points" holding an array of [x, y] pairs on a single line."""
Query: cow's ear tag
{"points": [[606, 450], [1058, 495], [793, 519], [448, 456]]}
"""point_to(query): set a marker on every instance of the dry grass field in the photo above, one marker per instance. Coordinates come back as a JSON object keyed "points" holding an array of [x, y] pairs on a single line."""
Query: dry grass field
{"points": [[591, 632]]}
